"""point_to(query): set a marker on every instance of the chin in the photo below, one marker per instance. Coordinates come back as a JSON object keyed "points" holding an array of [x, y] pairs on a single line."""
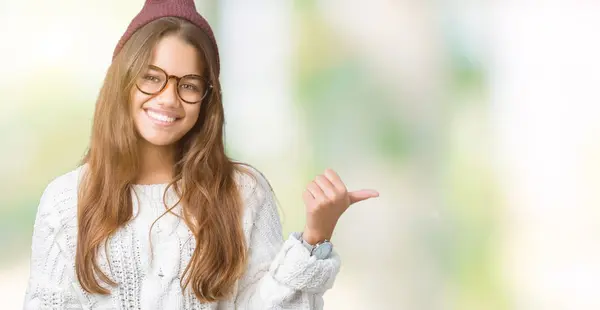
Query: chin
{"points": [[160, 142], [158, 138]]}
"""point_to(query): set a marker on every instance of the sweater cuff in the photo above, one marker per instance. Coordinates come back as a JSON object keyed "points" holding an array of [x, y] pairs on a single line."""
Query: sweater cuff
{"points": [[294, 267]]}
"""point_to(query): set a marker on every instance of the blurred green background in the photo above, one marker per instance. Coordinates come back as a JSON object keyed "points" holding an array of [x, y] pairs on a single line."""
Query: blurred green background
{"points": [[476, 121]]}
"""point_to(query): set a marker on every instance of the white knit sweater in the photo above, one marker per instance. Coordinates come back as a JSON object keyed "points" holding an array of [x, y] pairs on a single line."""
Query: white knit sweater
{"points": [[280, 275]]}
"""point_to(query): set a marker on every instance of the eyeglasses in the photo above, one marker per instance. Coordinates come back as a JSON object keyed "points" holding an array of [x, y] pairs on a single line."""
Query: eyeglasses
{"points": [[191, 88]]}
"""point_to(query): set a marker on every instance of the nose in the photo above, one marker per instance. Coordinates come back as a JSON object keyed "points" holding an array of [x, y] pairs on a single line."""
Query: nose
{"points": [[168, 96]]}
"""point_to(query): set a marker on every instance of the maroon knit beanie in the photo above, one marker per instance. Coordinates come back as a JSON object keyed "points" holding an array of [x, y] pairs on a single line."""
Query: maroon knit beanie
{"points": [[155, 9]]}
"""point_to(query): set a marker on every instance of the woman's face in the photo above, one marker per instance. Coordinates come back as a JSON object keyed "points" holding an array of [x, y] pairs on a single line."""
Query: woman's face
{"points": [[163, 118]]}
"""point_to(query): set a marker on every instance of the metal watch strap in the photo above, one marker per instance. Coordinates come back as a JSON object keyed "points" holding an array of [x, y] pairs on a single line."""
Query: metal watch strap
{"points": [[311, 248]]}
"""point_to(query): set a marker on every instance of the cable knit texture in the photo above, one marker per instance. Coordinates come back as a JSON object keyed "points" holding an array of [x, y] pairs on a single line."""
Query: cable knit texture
{"points": [[280, 275]]}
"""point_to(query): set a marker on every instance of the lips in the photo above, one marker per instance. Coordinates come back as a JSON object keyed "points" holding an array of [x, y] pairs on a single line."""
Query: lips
{"points": [[161, 117]]}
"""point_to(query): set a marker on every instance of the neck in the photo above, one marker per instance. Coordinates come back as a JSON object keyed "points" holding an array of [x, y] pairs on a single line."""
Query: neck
{"points": [[156, 164]]}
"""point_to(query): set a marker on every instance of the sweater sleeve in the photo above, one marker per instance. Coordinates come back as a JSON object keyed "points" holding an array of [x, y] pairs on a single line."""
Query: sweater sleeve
{"points": [[51, 283], [281, 275]]}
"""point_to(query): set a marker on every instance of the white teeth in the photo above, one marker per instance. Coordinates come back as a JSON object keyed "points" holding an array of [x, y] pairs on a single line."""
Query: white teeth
{"points": [[160, 117]]}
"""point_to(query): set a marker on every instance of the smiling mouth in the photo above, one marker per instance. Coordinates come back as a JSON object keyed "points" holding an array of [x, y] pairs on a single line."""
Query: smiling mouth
{"points": [[161, 118]]}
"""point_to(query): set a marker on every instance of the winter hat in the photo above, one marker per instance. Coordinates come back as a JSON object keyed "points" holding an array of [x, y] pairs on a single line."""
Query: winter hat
{"points": [[155, 9]]}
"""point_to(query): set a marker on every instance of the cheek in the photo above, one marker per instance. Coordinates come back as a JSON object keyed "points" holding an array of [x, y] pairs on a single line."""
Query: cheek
{"points": [[192, 114], [135, 102], [136, 99]]}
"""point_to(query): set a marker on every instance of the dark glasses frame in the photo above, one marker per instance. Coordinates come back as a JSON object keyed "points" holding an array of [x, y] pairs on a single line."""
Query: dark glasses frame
{"points": [[178, 79]]}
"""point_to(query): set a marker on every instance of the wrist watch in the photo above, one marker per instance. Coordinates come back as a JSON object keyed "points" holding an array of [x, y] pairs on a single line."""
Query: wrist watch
{"points": [[321, 250]]}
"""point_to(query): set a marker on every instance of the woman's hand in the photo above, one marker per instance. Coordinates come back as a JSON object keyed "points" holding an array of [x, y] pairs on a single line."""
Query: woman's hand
{"points": [[326, 198]]}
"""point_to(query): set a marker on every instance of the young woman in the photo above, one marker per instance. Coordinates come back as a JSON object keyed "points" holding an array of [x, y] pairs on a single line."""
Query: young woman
{"points": [[157, 216]]}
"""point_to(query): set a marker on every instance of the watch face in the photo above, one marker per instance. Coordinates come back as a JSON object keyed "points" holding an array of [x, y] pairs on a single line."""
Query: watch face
{"points": [[323, 250]]}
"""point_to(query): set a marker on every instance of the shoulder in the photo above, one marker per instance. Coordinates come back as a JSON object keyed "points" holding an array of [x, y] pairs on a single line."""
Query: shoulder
{"points": [[259, 200], [253, 185], [60, 196], [63, 184]]}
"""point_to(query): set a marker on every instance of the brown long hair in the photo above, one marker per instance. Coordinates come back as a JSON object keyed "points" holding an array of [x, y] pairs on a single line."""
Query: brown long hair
{"points": [[204, 177]]}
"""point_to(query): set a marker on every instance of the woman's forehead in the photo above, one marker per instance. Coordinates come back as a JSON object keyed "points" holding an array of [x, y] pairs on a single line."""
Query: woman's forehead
{"points": [[176, 56]]}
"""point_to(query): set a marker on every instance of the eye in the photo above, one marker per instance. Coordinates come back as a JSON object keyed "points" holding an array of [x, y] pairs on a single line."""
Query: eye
{"points": [[190, 87], [151, 78]]}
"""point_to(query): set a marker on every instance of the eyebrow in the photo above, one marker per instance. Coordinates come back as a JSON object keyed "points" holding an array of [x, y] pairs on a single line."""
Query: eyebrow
{"points": [[187, 74]]}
